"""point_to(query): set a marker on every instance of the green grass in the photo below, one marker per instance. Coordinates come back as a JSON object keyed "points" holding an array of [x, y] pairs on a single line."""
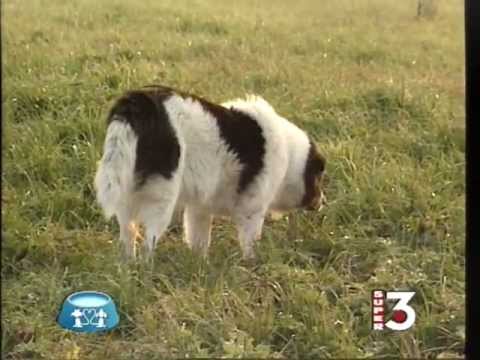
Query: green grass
{"points": [[380, 91]]}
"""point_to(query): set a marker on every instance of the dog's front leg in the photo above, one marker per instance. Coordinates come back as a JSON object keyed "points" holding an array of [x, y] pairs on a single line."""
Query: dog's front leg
{"points": [[249, 229], [197, 225]]}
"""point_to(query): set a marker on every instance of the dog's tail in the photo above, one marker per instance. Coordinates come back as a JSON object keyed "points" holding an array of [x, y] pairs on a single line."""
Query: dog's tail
{"points": [[114, 179], [140, 143]]}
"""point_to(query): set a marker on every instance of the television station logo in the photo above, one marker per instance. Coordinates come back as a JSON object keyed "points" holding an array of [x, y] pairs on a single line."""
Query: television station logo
{"points": [[403, 315]]}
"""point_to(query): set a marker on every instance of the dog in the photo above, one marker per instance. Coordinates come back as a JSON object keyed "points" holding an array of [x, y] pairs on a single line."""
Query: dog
{"points": [[166, 151]]}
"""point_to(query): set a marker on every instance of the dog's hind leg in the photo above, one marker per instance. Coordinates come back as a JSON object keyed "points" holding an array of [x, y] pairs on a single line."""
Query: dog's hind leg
{"points": [[156, 210], [127, 235], [197, 225], [156, 218]]}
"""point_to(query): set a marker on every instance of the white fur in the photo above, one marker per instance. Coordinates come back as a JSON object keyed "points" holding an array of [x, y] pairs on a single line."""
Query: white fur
{"points": [[115, 174], [205, 182]]}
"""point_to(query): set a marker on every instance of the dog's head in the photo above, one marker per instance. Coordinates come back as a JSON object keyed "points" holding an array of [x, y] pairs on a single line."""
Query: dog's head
{"points": [[304, 183], [313, 177]]}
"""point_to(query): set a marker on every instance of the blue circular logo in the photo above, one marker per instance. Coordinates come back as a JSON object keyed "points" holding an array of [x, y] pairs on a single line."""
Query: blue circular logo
{"points": [[88, 311]]}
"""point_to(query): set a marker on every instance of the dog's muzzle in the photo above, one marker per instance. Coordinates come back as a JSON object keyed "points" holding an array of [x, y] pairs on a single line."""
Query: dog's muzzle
{"points": [[322, 202]]}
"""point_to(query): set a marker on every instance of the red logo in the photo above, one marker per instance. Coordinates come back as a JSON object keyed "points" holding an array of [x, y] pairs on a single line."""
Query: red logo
{"points": [[403, 315]]}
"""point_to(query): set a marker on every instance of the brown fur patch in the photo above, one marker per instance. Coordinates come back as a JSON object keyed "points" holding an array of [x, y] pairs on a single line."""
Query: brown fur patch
{"points": [[244, 137], [158, 150], [240, 132], [314, 168]]}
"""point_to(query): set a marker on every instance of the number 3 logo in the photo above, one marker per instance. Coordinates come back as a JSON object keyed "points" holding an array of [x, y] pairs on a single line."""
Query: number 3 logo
{"points": [[403, 314]]}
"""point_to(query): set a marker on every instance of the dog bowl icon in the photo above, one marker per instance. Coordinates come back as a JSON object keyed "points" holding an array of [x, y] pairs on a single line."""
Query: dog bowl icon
{"points": [[88, 311]]}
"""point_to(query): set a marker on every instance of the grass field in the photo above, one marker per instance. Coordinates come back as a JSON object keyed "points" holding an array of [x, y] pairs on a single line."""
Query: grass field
{"points": [[382, 93]]}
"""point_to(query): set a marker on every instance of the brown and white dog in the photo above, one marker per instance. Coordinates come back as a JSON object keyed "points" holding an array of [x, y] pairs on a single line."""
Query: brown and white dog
{"points": [[166, 150]]}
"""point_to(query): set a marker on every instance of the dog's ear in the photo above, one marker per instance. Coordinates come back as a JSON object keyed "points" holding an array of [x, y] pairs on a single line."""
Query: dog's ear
{"points": [[317, 161], [319, 164]]}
